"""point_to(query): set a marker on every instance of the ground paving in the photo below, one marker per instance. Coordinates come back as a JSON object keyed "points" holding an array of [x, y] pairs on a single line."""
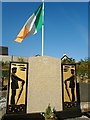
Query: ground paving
{"points": [[79, 118]]}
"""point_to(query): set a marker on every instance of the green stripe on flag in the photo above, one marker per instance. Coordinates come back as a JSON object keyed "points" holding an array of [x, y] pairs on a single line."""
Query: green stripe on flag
{"points": [[39, 21]]}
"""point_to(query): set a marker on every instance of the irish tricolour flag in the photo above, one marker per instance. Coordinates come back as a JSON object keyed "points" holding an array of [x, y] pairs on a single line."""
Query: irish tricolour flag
{"points": [[32, 25]]}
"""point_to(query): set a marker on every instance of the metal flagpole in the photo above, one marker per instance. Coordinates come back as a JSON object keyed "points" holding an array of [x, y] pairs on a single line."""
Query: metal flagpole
{"points": [[43, 29]]}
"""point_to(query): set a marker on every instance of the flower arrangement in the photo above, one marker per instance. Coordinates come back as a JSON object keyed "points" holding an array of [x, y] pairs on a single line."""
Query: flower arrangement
{"points": [[49, 113]]}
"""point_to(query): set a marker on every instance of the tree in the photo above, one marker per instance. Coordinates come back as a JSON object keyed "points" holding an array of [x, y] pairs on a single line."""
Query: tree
{"points": [[20, 59], [82, 67]]}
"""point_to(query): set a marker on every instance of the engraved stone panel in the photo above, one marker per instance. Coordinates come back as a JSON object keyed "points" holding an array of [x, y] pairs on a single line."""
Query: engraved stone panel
{"points": [[44, 84]]}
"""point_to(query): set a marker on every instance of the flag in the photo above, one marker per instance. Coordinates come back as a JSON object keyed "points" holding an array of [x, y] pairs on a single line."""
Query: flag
{"points": [[32, 25]]}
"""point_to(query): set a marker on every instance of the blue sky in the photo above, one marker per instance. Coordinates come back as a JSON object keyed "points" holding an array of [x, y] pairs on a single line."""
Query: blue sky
{"points": [[66, 29]]}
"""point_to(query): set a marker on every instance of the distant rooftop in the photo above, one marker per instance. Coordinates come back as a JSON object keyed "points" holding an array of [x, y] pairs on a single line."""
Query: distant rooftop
{"points": [[3, 50], [64, 57]]}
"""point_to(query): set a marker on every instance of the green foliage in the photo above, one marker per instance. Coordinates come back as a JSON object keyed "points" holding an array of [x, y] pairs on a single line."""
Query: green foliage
{"points": [[82, 67], [20, 59], [5, 68], [5, 65], [49, 114], [5, 73]]}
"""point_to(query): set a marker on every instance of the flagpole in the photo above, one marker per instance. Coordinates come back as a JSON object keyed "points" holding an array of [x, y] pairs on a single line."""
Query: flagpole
{"points": [[43, 29]]}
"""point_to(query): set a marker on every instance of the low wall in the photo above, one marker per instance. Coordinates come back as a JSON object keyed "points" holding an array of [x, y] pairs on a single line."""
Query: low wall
{"points": [[85, 96]]}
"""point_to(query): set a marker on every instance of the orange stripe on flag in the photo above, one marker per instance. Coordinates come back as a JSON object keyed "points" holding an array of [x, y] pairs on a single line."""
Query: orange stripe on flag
{"points": [[23, 33]]}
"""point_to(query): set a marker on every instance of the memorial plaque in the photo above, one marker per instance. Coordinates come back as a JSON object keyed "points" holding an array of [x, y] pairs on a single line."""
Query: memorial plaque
{"points": [[44, 84], [69, 86], [17, 88]]}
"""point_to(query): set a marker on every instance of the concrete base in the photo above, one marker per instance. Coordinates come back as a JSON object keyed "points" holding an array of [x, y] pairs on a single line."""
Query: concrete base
{"points": [[68, 114], [61, 115], [34, 116]]}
